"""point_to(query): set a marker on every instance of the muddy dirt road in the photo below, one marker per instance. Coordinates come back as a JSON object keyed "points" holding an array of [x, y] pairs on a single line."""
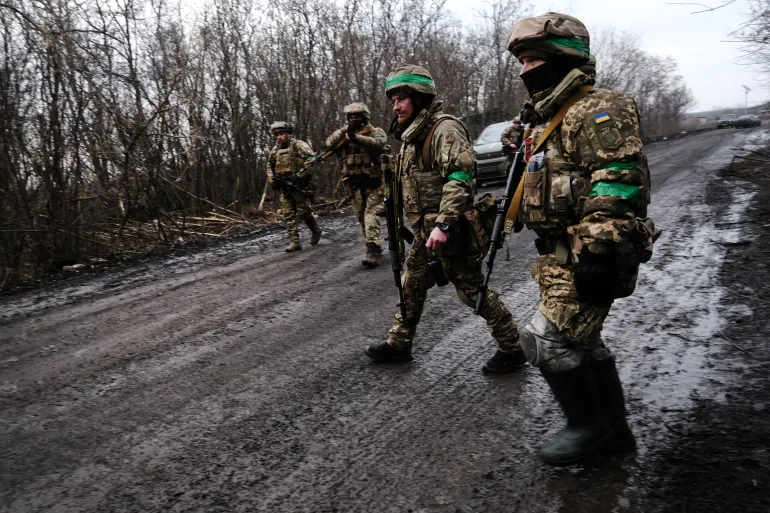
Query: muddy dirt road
{"points": [[234, 379]]}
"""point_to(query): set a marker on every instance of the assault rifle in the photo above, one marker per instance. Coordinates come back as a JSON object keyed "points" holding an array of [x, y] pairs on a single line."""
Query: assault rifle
{"points": [[323, 155], [397, 232], [503, 221], [288, 183]]}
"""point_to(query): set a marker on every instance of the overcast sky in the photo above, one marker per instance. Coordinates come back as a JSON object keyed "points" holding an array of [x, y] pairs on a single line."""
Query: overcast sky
{"points": [[708, 65]]}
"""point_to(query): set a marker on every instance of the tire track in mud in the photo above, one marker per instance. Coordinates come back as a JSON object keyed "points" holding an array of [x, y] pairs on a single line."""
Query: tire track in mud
{"points": [[236, 382]]}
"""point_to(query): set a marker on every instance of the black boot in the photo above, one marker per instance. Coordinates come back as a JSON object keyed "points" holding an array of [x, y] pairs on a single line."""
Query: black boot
{"points": [[587, 427], [611, 394], [504, 363], [385, 352]]}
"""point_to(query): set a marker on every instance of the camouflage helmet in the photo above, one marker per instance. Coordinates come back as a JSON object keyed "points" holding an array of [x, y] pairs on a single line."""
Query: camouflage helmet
{"points": [[410, 79], [282, 127], [357, 108], [516, 120], [548, 36]]}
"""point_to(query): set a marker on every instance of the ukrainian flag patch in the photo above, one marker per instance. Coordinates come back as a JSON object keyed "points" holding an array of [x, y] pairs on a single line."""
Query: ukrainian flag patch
{"points": [[601, 118]]}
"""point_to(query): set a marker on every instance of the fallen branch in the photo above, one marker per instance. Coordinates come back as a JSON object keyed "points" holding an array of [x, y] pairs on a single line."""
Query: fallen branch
{"points": [[203, 199]]}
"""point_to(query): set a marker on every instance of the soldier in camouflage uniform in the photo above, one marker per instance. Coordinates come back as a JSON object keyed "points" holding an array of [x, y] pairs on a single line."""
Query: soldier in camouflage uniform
{"points": [[585, 194], [286, 173], [437, 170], [361, 173], [513, 135]]}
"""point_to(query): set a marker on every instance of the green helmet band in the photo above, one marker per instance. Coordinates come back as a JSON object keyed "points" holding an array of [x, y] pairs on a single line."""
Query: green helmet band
{"points": [[406, 79]]}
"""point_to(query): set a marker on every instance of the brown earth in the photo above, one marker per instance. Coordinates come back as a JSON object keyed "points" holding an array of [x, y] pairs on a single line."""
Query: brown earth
{"points": [[233, 378]]}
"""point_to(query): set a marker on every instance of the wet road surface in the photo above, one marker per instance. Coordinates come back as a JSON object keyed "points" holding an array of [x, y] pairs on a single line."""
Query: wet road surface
{"points": [[234, 379]]}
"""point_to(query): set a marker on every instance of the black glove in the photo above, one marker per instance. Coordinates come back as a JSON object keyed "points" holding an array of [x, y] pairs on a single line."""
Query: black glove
{"points": [[351, 133], [597, 279], [274, 184]]}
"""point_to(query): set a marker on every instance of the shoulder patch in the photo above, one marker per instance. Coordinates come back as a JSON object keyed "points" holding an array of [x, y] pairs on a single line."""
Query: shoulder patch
{"points": [[601, 118]]}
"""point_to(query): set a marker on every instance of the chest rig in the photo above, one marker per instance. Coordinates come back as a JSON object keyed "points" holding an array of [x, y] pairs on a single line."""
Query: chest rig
{"points": [[422, 185], [358, 161], [286, 161], [554, 188]]}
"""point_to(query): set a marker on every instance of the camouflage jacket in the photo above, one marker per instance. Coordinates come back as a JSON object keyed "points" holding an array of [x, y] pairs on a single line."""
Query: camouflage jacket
{"points": [[511, 135], [590, 177], [445, 190], [289, 160], [361, 156]]}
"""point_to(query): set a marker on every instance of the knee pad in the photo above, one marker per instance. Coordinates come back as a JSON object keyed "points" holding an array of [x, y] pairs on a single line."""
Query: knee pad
{"points": [[546, 347]]}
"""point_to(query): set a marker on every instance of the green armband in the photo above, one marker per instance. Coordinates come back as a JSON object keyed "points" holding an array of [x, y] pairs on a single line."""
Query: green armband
{"points": [[463, 176]]}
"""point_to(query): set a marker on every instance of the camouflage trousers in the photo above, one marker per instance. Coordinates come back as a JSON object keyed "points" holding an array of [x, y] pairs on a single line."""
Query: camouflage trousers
{"points": [[465, 274], [559, 301], [296, 206], [366, 201]]}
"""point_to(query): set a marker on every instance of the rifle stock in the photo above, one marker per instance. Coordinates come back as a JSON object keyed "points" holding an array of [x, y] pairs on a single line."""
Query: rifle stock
{"points": [[515, 174], [394, 218]]}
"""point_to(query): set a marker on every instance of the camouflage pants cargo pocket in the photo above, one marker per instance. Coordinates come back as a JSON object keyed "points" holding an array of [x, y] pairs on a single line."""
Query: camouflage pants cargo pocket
{"points": [[559, 301]]}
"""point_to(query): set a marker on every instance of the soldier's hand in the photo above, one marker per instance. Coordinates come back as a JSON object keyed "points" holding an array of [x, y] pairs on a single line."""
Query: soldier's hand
{"points": [[513, 147], [436, 240], [274, 185]]}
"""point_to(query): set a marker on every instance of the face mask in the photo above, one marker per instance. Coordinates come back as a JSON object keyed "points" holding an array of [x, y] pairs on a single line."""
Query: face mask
{"points": [[546, 76], [356, 124]]}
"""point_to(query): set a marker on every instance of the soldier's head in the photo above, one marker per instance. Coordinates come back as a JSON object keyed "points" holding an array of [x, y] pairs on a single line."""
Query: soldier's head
{"points": [[357, 114], [548, 48], [283, 131], [516, 123], [410, 88]]}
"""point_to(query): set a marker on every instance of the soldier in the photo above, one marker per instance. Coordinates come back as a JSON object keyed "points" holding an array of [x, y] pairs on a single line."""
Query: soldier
{"points": [[361, 173], [437, 169], [513, 135], [585, 194], [286, 173]]}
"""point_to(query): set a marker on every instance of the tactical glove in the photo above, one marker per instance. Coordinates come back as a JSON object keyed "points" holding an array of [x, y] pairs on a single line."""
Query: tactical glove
{"points": [[597, 278], [351, 133], [274, 185]]}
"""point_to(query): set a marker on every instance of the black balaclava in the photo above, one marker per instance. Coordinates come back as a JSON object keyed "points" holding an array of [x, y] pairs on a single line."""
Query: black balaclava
{"points": [[356, 124], [545, 77]]}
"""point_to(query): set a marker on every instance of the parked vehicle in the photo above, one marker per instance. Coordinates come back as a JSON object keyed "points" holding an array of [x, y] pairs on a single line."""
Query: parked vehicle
{"points": [[726, 120], [491, 160], [747, 121]]}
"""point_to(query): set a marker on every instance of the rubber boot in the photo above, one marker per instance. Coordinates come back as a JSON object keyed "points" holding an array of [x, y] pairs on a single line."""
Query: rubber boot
{"points": [[504, 363], [587, 427], [370, 258], [294, 246], [611, 394], [315, 230], [385, 352]]}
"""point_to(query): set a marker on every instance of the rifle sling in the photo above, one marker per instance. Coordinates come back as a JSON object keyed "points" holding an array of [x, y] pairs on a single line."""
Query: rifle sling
{"points": [[426, 156], [513, 210]]}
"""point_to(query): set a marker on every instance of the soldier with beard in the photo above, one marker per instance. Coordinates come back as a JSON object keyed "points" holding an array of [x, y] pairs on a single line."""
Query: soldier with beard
{"points": [[586, 188], [286, 173], [361, 173], [437, 170]]}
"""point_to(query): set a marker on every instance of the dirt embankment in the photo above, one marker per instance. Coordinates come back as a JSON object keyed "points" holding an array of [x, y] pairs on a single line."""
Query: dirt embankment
{"points": [[722, 459]]}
